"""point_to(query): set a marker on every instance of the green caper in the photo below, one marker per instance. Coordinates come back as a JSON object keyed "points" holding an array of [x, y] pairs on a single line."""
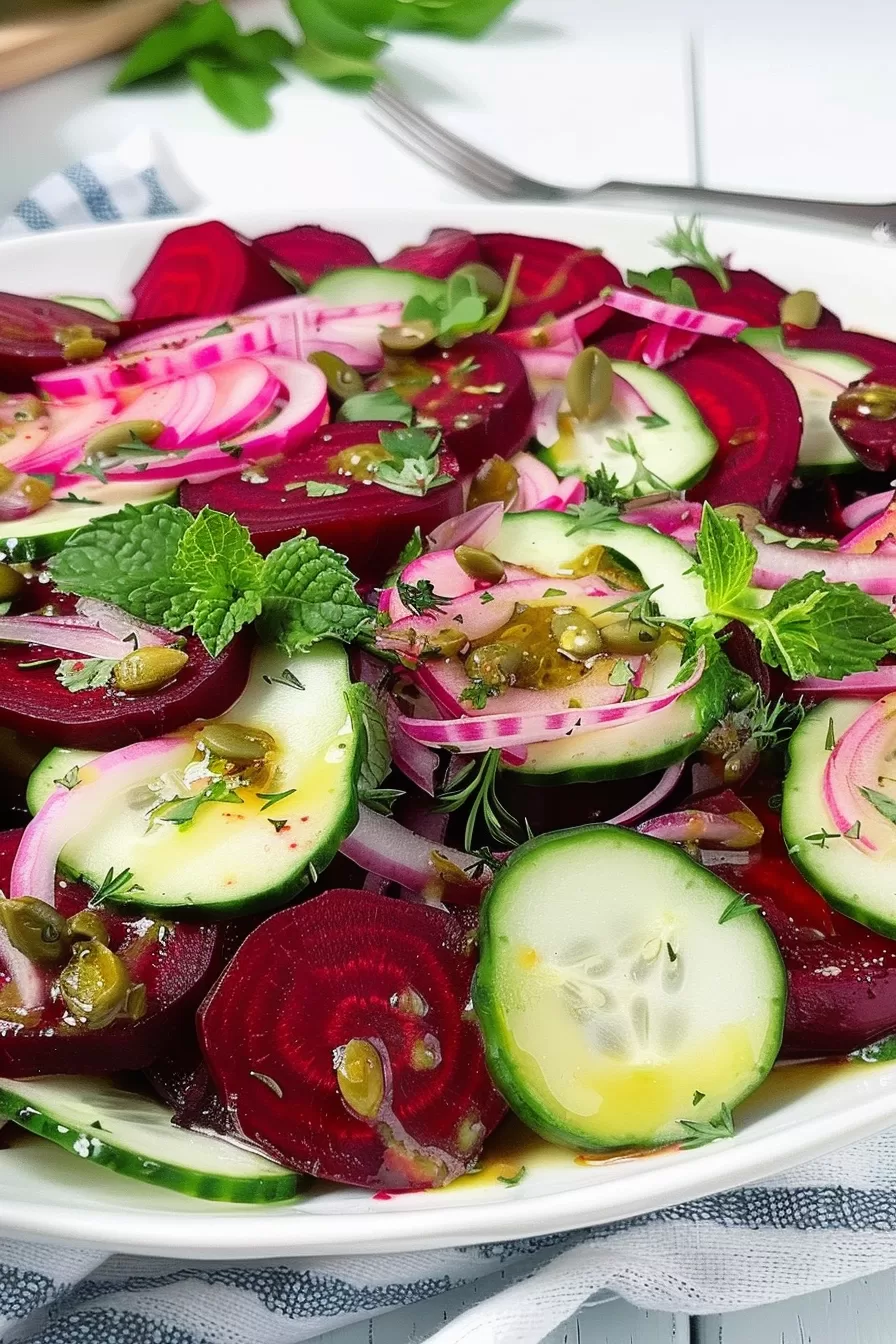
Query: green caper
{"points": [[448, 642], [487, 281], [88, 924], [801, 309], [342, 380], [479, 564], [148, 669], [79, 342], [576, 635], [95, 984], [11, 583], [232, 742], [36, 929], [589, 384], [408, 336], [494, 664], [496, 482], [124, 433], [623, 635]]}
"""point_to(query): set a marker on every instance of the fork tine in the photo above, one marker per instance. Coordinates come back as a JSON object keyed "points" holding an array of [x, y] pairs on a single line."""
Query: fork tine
{"points": [[446, 151]]}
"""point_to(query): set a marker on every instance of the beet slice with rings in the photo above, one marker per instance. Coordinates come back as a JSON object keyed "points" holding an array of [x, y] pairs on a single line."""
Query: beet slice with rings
{"points": [[30, 332], [554, 277], [864, 416], [752, 296], [841, 976], [439, 256], [311, 251], [32, 700], [477, 393], [754, 412], [203, 270], [176, 962], [341, 1040], [366, 522]]}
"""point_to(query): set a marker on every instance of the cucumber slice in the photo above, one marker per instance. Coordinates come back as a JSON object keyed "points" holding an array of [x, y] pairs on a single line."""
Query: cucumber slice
{"points": [[818, 376], [51, 768], [614, 1000], [234, 857], [549, 543], [46, 532], [133, 1134], [90, 304], [623, 751], [861, 885], [374, 284], [677, 451]]}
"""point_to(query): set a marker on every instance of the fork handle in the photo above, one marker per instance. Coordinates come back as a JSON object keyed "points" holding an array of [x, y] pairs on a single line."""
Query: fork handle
{"points": [[864, 216]]}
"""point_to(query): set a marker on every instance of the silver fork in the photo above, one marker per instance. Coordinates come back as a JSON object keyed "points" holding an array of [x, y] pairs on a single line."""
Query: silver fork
{"points": [[417, 131]]}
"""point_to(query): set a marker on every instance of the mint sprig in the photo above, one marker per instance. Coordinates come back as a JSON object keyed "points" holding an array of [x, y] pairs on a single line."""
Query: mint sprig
{"points": [[809, 628], [664, 284], [171, 569]]}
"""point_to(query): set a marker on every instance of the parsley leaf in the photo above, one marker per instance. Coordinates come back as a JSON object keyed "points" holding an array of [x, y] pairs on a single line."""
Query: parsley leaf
{"points": [[412, 467], [319, 489], [702, 1132], [385, 405], [727, 557], [881, 802], [603, 486], [773, 537], [309, 594], [687, 242], [664, 284], [377, 759], [420, 597], [85, 674], [590, 514], [181, 811]]}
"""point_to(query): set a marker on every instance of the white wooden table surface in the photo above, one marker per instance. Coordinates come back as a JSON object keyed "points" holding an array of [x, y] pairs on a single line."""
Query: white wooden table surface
{"points": [[795, 98]]}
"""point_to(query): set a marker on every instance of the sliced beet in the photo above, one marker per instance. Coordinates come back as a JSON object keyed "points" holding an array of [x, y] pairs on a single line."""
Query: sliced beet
{"points": [[864, 416], [176, 963], [442, 253], [841, 976], [477, 393], [391, 978], [32, 700], [311, 251], [31, 339], [203, 270], [368, 523], [554, 277], [752, 296], [754, 412]]}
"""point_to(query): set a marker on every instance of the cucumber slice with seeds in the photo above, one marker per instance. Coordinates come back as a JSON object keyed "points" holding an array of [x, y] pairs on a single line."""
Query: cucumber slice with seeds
{"points": [[374, 284], [132, 1134], [617, 996]]}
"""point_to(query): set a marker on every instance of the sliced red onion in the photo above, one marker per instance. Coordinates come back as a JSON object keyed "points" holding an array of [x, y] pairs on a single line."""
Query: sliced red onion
{"points": [[677, 518], [874, 536], [245, 391], [477, 527], [660, 345], [859, 757], [446, 576], [24, 425], [164, 356], [16, 500], [445, 681], [116, 622], [181, 405], [735, 830], [383, 846], [863, 509], [572, 326], [544, 415], [777, 564], [70, 426], [476, 733], [416, 762], [304, 412], [658, 794], [874, 684], [672, 314], [59, 632], [350, 331], [102, 784], [514, 755], [552, 362]]}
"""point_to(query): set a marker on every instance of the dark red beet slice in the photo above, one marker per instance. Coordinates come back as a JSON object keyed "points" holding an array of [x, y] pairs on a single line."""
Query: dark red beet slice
{"points": [[842, 977], [311, 251], [350, 966], [203, 270], [28, 335], [554, 278], [753, 411], [441, 254], [752, 296], [865, 417], [32, 700], [369, 524], [176, 963], [477, 393]]}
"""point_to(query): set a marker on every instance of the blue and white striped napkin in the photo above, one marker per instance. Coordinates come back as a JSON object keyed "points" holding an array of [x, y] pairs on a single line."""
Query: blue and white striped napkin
{"points": [[826, 1223]]}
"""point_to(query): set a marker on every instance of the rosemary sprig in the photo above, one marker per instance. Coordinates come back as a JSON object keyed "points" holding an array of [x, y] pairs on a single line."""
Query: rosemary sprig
{"points": [[476, 786]]}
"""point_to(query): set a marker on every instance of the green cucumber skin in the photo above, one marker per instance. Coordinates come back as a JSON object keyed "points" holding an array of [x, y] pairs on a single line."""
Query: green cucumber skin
{"points": [[25, 550], [499, 1053], [375, 284], [563, 470], [201, 1185]]}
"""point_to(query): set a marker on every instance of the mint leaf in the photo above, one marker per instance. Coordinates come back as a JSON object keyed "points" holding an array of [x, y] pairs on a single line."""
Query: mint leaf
{"points": [[664, 284], [412, 467], [240, 94], [191, 28], [385, 405], [85, 674], [377, 759], [217, 576], [726, 558], [411, 550], [454, 18], [812, 628], [121, 558], [309, 594]]}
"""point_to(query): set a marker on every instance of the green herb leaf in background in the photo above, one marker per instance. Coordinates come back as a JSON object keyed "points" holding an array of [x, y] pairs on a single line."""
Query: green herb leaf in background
{"points": [[664, 284]]}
